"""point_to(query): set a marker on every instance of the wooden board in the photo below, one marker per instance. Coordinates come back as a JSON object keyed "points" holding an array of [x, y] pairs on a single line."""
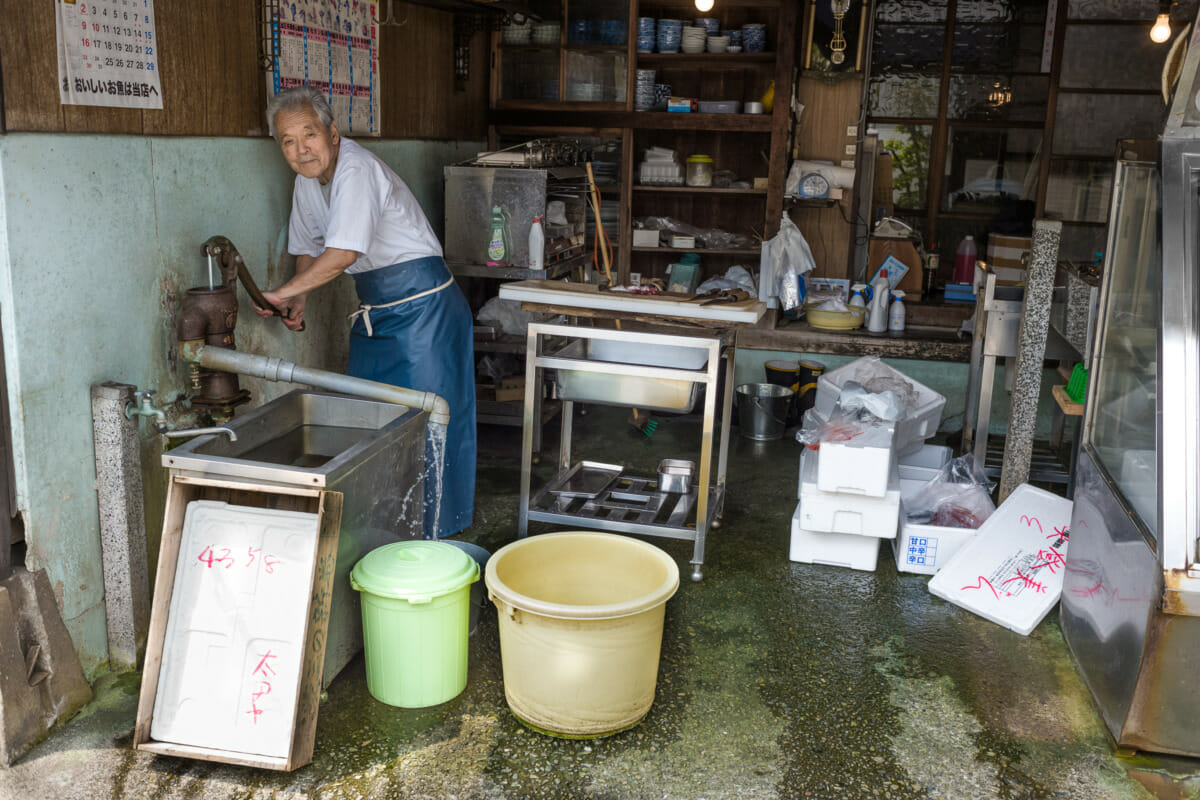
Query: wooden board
{"points": [[586, 296], [180, 492]]}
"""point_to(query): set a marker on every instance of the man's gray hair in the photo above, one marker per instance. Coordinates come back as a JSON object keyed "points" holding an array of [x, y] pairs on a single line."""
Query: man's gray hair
{"points": [[300, 98]]}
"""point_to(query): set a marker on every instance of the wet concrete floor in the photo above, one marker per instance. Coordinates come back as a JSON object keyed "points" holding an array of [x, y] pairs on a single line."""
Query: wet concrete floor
{"points": [[777, 680]]}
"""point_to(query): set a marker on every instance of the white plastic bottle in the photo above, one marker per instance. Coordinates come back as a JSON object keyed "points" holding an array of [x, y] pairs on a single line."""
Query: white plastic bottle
{"points": [[896, 315], [537, 245], [856, 295], [877, 311]]}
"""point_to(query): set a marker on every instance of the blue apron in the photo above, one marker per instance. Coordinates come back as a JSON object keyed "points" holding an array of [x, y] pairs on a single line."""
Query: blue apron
{"points": [[425, 344]]}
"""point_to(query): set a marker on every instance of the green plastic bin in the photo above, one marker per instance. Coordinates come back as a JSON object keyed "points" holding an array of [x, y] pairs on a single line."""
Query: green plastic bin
{"points": [[416, 610]]}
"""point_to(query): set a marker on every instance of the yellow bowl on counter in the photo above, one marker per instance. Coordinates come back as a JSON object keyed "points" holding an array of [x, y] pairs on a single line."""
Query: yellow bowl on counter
{"points": [[836, 320]]}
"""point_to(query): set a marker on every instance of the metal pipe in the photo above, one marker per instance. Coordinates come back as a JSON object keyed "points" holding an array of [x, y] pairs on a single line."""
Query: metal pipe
{"points": [[190, 432], [276, 369]]}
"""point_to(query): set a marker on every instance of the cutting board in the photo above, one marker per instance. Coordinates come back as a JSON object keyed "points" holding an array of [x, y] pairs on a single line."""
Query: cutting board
{"points": [[586, 295]]}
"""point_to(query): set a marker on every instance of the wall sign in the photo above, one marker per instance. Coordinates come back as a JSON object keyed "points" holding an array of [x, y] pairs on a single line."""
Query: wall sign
{"points": [[331, 45], [107, 53]]}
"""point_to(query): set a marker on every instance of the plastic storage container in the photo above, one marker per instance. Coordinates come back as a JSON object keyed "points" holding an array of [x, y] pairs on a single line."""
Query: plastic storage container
{"points": [[660, 173], [580, 640], [416, 620], [699, 170], [919, 422]]}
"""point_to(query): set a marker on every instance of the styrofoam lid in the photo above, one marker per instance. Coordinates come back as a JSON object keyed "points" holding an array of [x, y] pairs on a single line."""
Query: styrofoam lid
{"points": [[417, 571]]}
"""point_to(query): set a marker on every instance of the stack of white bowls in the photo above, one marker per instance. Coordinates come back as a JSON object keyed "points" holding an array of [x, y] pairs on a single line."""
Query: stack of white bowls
{"points": [[518, 33], [718, 44], [693, 40], [546, 33]]}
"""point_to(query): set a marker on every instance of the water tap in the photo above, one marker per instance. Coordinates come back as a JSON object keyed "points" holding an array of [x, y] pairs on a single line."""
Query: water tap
{"points": [[142, 405]]}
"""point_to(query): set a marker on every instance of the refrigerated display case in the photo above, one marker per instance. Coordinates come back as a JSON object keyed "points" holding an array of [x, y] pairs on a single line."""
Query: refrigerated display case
{"points": [[1130, 608]]}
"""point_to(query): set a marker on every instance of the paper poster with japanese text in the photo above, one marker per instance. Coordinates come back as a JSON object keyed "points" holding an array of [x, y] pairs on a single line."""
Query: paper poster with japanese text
{"points": [[107, 53], [333, 46]]}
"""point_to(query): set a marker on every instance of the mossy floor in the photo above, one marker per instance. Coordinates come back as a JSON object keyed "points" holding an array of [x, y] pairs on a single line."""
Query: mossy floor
{"points": [[777, 680]]}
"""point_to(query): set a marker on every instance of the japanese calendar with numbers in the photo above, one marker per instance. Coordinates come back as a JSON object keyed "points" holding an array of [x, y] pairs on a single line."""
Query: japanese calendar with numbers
{"points": [[108, 53], [331, 45]]}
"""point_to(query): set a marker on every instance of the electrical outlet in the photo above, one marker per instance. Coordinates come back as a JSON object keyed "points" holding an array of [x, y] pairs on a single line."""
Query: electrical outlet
{"points": [[850, 149], [852, 130]]}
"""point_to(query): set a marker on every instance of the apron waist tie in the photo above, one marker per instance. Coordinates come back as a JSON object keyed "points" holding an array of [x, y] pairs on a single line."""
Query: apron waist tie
{"points": [[364, 310]]}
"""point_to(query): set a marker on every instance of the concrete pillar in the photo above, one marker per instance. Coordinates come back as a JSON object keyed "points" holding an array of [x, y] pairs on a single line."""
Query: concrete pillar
{"points": [[1031, 352], [122, 524]]}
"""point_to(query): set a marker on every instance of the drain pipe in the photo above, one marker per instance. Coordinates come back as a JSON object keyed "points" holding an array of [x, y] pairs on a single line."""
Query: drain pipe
{"points": [[276, 369]]}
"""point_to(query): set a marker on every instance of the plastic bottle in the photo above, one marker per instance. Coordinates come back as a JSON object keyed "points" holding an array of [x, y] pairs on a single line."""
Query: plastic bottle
{"points": [[964, 260], [537, 245], [498, 249], [877, 311], [896, 315], [856, 295]]}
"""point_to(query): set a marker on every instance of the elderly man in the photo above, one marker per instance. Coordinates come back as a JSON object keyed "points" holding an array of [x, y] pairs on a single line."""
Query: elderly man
{"points": [[351, 213]]}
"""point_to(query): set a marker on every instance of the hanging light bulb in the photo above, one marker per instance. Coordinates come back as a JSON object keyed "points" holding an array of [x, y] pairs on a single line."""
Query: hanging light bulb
{"points": [[704, 5], [1161, 30]]}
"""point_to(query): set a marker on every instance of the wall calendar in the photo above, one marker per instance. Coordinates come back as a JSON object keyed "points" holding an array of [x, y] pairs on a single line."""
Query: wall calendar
{"points": [[107, 53]]}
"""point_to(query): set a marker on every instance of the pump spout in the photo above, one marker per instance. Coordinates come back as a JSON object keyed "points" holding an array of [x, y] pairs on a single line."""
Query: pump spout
{"points": [[276, 369]]}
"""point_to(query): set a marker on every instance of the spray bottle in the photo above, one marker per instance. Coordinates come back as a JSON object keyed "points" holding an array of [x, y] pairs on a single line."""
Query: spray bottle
{"points": [[537, 244], [498, 249], [896, 315], [877, 310]]}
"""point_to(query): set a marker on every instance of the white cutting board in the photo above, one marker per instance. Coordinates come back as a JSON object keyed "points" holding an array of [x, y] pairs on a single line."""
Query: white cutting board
{"points": [[1011, 572], [234, 643], [582, 295]]}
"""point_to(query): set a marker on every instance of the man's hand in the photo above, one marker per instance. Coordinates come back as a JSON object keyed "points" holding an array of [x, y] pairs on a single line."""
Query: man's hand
{"points": [[291, 308]]}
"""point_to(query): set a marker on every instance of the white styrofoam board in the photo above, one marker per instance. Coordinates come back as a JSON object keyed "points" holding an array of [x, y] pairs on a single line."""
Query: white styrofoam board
{"points": [[832, 549], [638, 304], [837, 512], [1012, 572], [234, 643]]}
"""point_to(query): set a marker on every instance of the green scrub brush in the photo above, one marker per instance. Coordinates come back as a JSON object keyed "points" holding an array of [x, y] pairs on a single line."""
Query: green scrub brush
{"points": [[643, 423]]}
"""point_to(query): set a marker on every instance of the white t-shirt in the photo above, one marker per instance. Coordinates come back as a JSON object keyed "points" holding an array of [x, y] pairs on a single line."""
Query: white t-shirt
{"points": [[369, 210]]}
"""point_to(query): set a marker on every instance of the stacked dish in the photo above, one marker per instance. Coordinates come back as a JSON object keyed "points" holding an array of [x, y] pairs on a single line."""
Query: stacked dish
{"points": [[693, 39], [754, 37], [518, 33], [735, 36], [646, 34], [670, 32], [585, 92], [711, 25], [612, 31], [546, 33], [644, 91], [718, 44]]}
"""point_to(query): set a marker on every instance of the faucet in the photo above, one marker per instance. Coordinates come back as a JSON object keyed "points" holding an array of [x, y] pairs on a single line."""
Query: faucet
{"points": [[143, 406], [181, 433]]}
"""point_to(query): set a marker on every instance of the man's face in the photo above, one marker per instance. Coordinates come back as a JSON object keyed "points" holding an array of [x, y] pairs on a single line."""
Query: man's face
{"points": [[309, 147]]}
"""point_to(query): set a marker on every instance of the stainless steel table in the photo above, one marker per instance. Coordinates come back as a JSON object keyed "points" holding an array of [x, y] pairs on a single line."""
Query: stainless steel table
{"points": [[615, 501]]}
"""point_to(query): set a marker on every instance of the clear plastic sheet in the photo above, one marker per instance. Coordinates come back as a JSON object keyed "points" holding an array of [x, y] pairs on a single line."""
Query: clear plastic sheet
{"points": [[706, 238]]}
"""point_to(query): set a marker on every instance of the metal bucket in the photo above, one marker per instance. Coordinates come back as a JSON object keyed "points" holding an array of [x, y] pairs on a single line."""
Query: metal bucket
{"points": [[763, 409]]}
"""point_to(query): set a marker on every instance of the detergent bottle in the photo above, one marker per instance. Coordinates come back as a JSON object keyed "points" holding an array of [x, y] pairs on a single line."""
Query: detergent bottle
{"points": [[498, 249], [877, 310], [537, 245], [964, 260], [896, 315], [856, 295]]}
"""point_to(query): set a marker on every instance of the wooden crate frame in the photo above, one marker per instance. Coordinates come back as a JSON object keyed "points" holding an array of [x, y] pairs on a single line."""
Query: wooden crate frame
{"points": [[327, 505]]}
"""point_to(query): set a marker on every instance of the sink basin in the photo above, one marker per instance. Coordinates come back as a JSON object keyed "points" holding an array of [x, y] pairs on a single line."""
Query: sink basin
{"points": [[373, 453]]}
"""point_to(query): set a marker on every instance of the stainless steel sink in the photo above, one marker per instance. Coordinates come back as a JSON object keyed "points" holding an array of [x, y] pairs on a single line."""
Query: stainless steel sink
{"points": [[371, 452]]}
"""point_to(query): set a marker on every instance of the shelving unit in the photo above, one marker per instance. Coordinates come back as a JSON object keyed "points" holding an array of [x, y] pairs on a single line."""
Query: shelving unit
{"points": [[750, 145]]}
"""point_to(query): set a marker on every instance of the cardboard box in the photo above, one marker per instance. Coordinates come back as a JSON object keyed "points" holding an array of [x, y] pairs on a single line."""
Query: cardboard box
{"points": [[904, 251], [1007, 255], [645, 238], [510, 389]]}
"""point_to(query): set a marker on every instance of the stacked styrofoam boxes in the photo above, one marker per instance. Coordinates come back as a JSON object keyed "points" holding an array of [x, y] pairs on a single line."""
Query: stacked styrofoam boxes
{"points": [[918, 423], [849, 500], [924, 548]]}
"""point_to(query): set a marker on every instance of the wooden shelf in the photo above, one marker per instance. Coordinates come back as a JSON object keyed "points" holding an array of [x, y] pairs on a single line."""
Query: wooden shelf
{"points": [[729, 252], [699, 190], [723, 60], [570, 115]]}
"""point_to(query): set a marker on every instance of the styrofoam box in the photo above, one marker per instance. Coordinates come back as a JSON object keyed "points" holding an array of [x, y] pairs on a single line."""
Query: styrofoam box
{"points": [[834, 549], [835, 512], [923, 464], [1011, 571], [235, 630], [925, 548], [862, 465], [919, 422]]}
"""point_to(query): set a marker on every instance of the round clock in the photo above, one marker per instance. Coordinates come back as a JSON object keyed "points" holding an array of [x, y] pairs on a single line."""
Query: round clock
{"points": [[813, 185]]}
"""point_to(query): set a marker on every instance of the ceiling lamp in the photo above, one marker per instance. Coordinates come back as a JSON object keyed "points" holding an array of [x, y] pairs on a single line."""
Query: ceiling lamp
{"points": [[704, 5], [1162, 25]]}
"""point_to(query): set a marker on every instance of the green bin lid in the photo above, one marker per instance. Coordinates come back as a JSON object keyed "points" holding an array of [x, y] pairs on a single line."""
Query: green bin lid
{"points": [[417, 571]]}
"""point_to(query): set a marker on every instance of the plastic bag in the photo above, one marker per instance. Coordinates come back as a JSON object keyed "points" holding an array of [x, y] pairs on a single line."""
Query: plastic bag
{"points": [[958, 497], [706, 238], [873, 375], [505, 314], [785, 258], [734, 278], [840, 427], [885, 404]]}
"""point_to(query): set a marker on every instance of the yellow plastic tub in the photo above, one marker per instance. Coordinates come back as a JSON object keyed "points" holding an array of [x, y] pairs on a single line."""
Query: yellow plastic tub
{"points": [[581, 621]]}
